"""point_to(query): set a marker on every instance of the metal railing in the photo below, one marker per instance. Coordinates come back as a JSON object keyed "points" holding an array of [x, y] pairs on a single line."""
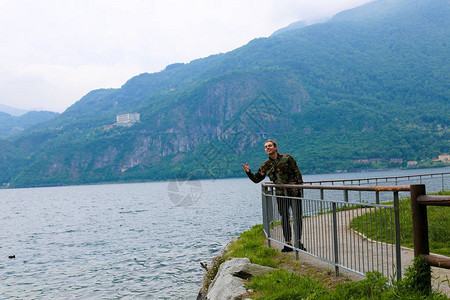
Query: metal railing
{"points": [[322, 226], [435, 181], [322, 217]]}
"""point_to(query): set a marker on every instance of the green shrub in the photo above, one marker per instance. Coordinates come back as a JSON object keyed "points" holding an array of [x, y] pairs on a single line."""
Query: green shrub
{"points": [[417, 277]]}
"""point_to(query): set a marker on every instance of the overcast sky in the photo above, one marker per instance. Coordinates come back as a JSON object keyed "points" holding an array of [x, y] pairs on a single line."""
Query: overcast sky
{"points": [[53, 52]]}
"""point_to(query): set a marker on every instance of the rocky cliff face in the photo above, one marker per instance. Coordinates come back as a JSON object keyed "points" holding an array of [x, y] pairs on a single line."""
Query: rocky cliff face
{"points": [[234, 111]]}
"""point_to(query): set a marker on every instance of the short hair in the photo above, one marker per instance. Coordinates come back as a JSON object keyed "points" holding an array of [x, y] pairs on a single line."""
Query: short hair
{"points": [[271, 141]]}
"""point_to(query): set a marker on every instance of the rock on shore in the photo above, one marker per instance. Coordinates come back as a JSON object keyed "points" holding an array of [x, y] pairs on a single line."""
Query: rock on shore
{"points": [[229, 281]]}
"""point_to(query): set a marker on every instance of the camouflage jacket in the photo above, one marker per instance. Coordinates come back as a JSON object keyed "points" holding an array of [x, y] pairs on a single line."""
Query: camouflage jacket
{"points": [[283, 170]]}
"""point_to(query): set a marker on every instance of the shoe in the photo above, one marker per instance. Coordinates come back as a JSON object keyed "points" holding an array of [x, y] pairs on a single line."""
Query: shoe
{"points": [[301, 247], [287, 249]]}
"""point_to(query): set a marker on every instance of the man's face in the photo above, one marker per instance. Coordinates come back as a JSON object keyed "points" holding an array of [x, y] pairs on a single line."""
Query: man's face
{"points": [[270, 148]]}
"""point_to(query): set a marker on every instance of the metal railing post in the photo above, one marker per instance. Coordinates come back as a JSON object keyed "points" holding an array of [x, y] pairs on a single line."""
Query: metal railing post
{"points": [[397, 237], [335, 239], [266, 222], [322, 197], [270, 201], [296, 220]]}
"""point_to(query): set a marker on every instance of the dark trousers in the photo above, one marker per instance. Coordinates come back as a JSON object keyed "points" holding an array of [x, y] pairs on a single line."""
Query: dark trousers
{"points": [[284, 205]]}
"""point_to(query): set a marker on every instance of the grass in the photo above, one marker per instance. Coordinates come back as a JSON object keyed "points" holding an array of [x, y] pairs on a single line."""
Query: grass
{"points": [[377, 226], [283, 284], [294, 280], [252, 244]]}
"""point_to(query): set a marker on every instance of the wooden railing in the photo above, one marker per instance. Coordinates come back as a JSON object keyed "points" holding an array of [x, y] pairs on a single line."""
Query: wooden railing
{"points": [[419, 203]]}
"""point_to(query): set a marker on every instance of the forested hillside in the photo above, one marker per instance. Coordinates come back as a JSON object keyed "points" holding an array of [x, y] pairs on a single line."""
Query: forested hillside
{"points": [[371, 83]]}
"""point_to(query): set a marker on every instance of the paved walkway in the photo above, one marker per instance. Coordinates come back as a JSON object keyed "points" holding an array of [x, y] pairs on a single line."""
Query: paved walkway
{"points": [[354, 250]]}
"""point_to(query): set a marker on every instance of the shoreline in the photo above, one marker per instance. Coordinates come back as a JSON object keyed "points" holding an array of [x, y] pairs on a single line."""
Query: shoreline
{"points": [[8, 187]]}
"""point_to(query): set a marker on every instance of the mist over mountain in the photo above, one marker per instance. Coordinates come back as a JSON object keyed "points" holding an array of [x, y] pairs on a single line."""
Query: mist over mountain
{"points": [[292, 26], [372, 83], [12, 110]]}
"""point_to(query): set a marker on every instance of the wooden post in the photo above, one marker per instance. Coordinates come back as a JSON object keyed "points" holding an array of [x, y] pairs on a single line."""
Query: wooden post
{"points": [[420, 231], [419, 221]]}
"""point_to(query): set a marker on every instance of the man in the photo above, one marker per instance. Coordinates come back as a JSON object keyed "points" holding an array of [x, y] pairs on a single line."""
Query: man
{"points": [[281, 169]]}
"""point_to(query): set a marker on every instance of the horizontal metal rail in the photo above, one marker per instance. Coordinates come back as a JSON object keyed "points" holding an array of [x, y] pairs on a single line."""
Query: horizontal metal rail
{"points": [[398, 188], [379, 179]]}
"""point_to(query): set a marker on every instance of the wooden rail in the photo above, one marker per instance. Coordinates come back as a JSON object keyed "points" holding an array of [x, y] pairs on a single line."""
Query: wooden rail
{"points": [[419, 203]]}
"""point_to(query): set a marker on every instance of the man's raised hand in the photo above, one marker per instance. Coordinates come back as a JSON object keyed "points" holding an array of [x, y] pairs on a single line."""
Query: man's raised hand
{"points": [[246, 168]]}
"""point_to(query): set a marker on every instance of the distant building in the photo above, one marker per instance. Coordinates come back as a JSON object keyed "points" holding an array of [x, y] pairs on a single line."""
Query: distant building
{"points": [[107, 127], [361, 161], [375, 160], [444, 157], [396, 160], [366, 161], [128, 119], [411, 163]]}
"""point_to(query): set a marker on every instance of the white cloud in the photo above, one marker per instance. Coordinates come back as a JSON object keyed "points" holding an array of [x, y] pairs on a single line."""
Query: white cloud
{"points": [[53, 52]]}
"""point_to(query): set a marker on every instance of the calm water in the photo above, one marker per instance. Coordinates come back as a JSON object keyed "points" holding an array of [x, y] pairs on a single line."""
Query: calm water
{"points": [[124, 241]]}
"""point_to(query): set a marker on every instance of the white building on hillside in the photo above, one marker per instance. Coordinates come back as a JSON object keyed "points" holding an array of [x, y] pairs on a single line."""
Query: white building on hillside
{"points": [[128, 119]]}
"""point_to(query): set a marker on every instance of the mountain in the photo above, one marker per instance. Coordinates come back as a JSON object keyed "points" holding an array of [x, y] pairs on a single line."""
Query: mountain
{"points": [[13, 125], [367, 89], [12, 110], [295, 25]]}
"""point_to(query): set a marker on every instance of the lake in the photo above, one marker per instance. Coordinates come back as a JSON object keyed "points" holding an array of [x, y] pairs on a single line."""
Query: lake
{"points": [[126, 241]]}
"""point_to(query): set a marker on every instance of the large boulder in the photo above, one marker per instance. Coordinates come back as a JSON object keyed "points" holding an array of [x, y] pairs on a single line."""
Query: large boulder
{"points": [[229, 281]]}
